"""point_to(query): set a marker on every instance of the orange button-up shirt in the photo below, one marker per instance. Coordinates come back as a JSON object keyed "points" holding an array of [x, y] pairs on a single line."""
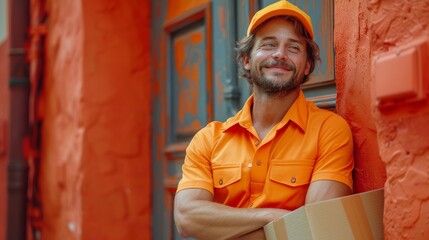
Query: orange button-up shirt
{"points": [[241, 170]]}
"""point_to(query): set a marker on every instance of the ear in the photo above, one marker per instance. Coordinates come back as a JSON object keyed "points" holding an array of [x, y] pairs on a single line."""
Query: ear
{"points": [[307, 68], [246, 62]]}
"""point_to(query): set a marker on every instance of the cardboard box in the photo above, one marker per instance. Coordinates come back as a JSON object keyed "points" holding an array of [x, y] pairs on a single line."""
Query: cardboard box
{"points": [[358, 216]]}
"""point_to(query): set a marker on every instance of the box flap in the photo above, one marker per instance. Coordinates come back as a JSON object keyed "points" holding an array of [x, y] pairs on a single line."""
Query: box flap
{"points": [[357, 216], [328, 219], [297, 227], [373, 202]]}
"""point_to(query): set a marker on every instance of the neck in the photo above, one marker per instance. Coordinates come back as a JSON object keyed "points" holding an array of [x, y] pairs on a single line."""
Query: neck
{"points": [[268, 110]]}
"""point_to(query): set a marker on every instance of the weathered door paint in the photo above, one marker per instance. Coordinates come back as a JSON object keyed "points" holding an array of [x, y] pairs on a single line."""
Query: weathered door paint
{"points": [[195, 81]]}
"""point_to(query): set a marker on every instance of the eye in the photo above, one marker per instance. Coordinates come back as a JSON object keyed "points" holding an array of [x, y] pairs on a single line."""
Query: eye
{"points": [[294, 48], [268, 45]]}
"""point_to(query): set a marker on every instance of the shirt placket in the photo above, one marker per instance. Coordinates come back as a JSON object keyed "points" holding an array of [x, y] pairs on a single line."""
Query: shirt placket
{"points": [[260, 164], [259, 167]]}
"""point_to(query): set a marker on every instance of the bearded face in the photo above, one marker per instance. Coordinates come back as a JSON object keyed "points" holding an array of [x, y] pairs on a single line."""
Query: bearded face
{"points": [[277, 82], [278, 62]]}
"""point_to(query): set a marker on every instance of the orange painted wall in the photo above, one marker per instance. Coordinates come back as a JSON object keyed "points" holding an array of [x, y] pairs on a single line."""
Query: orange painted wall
{"points": [[353, 75], [4, 121], [63, 131], [95, 167], [402, 133]]}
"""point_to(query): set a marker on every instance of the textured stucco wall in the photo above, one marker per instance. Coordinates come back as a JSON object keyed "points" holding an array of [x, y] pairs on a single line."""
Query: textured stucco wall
{"points": [[364, 30], [403, 133], [63, 131], [353, 75], [95, 167], [116, 106]]}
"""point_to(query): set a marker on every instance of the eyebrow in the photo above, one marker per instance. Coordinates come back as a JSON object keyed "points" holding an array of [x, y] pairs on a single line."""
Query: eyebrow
{"points": [[268, 38]]}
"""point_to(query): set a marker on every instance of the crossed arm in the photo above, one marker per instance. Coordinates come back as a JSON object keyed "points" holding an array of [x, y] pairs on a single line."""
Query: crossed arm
{"points": [[197, 216]]}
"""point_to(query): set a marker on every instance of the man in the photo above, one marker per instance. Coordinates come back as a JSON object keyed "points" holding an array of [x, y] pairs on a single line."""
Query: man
{"points": [[276, 154]]}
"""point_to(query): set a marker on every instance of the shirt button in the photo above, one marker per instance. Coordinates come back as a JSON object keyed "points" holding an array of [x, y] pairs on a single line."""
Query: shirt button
{"points": [[251, 204], [249, 165], [258, 162], [220, 182], [293, 180], [256, 142]]}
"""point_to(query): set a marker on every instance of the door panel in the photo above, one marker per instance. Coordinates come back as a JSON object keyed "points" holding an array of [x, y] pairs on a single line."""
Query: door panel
{"points": [[190, 82], [183, 98]]}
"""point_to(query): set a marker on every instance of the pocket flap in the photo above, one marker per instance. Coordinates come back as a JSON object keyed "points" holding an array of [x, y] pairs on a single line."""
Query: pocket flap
{"points": [[291, 173], [226, 174]]}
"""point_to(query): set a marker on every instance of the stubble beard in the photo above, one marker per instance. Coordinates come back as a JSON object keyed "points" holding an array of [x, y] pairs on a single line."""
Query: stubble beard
{"points": [[273, 87]]}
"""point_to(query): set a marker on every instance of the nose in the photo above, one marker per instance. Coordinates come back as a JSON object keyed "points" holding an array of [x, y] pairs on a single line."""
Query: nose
{"points": [[280, 53]]}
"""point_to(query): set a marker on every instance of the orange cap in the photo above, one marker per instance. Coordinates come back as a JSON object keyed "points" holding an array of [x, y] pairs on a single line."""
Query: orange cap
{"points": [[281, 8]]}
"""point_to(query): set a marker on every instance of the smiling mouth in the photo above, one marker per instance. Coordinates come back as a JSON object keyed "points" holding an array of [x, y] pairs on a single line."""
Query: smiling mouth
{"points": [[279, 66], [282, 68], [279, 69]]}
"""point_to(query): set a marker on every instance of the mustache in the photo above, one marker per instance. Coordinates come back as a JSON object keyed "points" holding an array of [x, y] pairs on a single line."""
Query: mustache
{"points": [[276, 63]]}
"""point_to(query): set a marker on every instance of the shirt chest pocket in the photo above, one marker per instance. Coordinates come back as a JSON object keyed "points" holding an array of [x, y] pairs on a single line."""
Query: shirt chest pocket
{"points": [[291, 173], [225, 175]]}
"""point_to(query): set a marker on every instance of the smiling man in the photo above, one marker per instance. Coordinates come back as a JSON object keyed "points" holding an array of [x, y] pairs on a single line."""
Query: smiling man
{"points": [[276, 154]]}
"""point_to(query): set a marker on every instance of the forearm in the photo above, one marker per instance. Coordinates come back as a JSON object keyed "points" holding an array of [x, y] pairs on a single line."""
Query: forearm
{"points": [[203, 219]]}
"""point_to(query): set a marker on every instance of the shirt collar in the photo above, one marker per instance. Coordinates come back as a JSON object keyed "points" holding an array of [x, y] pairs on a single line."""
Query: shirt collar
{"points": [[297, 113]]}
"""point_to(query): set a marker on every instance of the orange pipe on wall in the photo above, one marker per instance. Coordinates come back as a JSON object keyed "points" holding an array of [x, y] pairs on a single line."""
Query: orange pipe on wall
{"points": [[4, 119]]}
